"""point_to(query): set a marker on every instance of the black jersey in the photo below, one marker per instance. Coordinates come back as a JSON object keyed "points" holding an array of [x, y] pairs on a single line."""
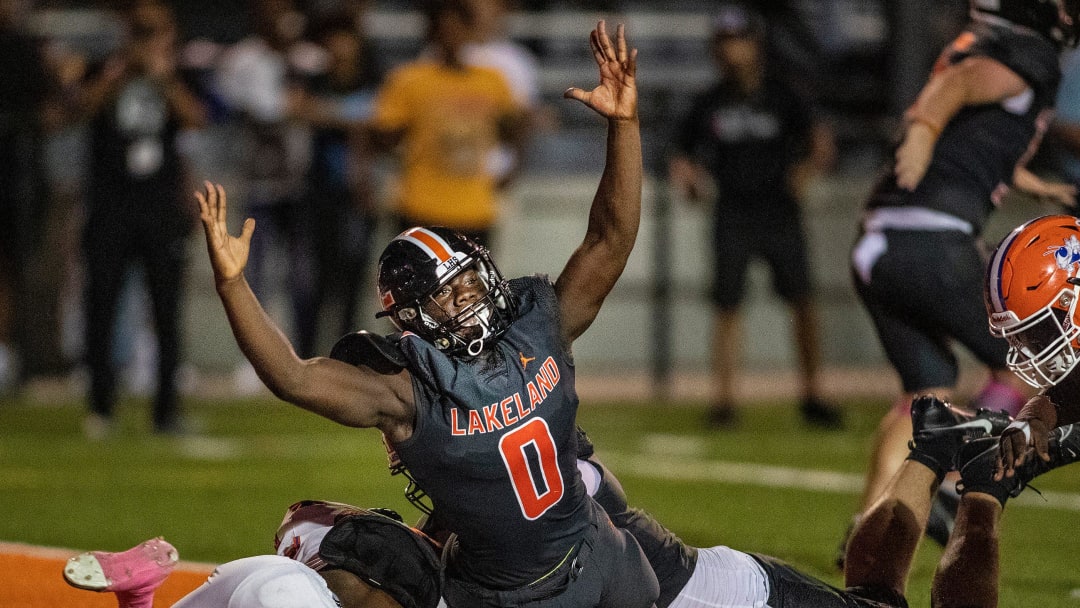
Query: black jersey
{"points": [[980, 148], [495, 445], [135, 170], [748, 143]]}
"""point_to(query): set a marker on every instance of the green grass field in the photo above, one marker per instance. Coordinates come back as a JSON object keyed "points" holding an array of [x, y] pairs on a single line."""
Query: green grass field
{"points": [[772, 487]]}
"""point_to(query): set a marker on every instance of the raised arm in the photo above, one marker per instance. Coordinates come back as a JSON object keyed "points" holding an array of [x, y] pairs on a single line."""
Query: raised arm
{"points": [[594, 267], [347, 394], [973, 81]]}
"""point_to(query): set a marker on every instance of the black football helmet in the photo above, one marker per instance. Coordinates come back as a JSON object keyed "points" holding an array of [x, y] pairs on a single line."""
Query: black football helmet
{"points": [[416, 264], [1043, 16]]}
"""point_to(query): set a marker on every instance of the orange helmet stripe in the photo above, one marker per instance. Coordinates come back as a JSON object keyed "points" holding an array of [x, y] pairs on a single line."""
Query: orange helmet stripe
{"points": [[430, 242]]}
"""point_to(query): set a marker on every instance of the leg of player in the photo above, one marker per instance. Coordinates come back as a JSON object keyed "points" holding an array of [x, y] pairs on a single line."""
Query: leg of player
{"points": [[884, 541], [814, 409], [967, 574]]}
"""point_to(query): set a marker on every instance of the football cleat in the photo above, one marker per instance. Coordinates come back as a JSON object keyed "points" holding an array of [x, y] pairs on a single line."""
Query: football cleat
{"points": [[939, 429], [139, 570], [978, 462]]}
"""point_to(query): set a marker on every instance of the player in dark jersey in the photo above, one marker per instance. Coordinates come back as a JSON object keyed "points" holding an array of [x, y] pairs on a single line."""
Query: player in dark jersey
{"points": [[477, 396], [918, 263]]}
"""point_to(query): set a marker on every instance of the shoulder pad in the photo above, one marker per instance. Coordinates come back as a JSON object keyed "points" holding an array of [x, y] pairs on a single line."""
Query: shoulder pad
{"points": [[380, 353], [388, 555]]}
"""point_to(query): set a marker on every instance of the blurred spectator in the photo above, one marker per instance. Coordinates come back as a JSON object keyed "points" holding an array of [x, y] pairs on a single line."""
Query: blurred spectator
{"points": [[448, 118], [24, 88], [340, 187], [492, 47], [260, 78], [138, 211], [747, 147], [56, 289]]}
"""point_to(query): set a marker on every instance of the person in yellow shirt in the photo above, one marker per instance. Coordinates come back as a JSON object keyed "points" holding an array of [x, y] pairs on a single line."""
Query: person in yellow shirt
{"points": [[445, 118]]}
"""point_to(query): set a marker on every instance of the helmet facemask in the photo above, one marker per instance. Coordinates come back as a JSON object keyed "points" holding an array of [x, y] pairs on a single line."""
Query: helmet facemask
{"points": [[421, 274], [1043, 348], [475, 325]]}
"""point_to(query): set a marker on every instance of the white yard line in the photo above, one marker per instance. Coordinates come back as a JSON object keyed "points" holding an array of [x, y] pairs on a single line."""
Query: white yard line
{"points": [[681, 468]]}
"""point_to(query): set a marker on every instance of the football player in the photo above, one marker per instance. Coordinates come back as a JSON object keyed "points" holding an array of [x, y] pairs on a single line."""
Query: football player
{"points": [[328, 555], [476, 395], [1032, 288], [918, 264]]}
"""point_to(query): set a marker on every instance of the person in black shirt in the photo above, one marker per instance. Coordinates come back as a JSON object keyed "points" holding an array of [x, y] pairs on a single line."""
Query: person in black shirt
{"points": [[747, 147], [24, 92], [137, 211]]}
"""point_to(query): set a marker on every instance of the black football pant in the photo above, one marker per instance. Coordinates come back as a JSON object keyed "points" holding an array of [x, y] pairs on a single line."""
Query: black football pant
{"points": [[164, 262]]}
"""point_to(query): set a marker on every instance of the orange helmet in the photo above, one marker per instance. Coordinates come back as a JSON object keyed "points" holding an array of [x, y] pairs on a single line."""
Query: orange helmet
{"points": [[1031, 294]]}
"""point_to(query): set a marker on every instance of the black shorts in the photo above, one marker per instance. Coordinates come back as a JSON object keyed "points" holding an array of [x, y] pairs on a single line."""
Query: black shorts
{"points": [[925, 291], [777, 239], [789, 588]]}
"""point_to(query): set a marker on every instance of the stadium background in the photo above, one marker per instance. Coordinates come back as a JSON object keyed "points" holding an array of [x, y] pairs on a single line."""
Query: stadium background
{"points": [[771, 486], [865, 59]]}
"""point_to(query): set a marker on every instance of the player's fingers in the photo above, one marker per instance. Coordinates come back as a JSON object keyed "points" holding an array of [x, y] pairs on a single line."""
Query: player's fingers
{"points": [[1040, 442], [247, 231], [210, 196], [620, 43], [597, 48], [1006, 456], [576, 93], [222, 207], [604, 40]]}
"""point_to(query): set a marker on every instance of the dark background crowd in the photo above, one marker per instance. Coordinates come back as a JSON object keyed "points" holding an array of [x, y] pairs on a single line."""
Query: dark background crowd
{"points": [[95, 96]]}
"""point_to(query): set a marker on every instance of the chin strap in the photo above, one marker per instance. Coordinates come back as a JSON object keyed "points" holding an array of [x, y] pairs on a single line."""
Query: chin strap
{"points": [[476, 346]]}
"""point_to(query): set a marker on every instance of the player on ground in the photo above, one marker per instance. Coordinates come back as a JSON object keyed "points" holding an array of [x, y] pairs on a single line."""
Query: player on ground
{"points": [[481, 381], [328, 555]]}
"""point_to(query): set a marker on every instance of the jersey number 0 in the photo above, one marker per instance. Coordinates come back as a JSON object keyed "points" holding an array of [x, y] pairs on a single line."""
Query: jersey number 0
{"points": [[537, 481]]}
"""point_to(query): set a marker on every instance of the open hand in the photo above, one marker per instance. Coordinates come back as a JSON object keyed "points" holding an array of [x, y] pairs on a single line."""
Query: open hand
{"points": [[615, 98], [228, 254]]}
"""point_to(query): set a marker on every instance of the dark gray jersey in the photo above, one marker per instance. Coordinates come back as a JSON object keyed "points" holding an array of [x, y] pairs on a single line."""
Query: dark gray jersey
{"points": [[495, 445]]}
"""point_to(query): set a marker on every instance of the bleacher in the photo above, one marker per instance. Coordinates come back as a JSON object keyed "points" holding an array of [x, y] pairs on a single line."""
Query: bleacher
{"points": [[657, 318]]}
